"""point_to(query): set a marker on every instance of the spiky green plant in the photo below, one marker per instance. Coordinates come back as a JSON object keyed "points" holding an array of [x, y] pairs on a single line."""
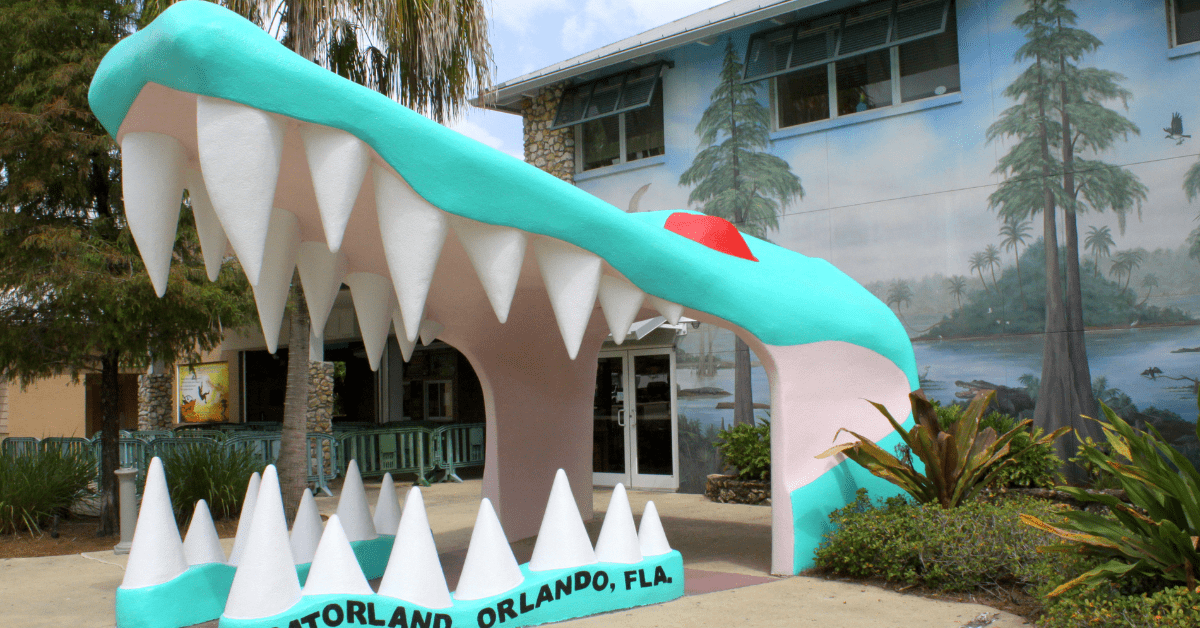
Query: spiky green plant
{"points": [[208, 472], [1157, 534], [959, 461], [35, 486]]}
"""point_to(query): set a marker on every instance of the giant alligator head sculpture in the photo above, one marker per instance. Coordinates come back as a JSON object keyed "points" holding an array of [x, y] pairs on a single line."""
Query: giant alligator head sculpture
{"points": [[290, 165]]}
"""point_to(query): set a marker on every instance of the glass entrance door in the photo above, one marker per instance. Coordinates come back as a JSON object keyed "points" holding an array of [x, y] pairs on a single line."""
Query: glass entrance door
{"points": [[634, 430]]}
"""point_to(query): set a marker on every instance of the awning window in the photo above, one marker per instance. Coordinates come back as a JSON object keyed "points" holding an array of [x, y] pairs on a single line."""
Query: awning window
{"points": [[608, 96], [851, 33]]}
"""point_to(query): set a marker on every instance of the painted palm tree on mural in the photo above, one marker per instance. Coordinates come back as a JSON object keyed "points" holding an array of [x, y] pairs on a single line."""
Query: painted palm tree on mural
{"points": [[977, 263], [958, 286], [1100, 242], [1149, 282], [737, 179], [1124, 263], [1055, 129], [429, 55], [899, 294], [1015, 234], [991, 257]]}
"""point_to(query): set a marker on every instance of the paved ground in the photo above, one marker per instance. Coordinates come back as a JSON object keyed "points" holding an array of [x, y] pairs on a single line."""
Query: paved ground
{"points": [[723, 546]]}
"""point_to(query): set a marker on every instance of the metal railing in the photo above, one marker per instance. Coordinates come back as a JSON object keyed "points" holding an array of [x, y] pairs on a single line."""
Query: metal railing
{"points": [[458, 446], [388, 450]]}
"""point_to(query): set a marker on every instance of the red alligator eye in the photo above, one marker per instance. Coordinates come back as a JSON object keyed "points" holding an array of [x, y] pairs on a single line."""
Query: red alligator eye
{"points": [[716, 233]]}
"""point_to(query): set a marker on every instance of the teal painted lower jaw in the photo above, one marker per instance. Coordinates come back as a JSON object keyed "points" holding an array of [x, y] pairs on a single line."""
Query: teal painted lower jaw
{"points": [[195, 596], [543, 597], [199, 594], [812, 503]]}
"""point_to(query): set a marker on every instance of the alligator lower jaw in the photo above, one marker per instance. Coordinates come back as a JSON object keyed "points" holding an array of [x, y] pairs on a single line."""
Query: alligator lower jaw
{"points": [[283, 194]]}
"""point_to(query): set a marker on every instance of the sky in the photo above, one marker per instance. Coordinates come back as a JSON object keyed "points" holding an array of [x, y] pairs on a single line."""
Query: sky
{"points": [[528, 35]]}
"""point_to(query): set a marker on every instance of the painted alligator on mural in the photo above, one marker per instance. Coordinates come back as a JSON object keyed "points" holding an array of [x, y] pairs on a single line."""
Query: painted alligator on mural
{"points": [[289, 165]]}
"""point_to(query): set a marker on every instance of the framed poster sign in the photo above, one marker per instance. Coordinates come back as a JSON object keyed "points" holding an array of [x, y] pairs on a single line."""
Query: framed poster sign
{"points": [[202, 392]]}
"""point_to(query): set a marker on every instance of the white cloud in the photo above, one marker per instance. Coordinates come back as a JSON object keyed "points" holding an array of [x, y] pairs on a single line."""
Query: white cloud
{"points": [[520, 15], [483, 134], [601, 22]]}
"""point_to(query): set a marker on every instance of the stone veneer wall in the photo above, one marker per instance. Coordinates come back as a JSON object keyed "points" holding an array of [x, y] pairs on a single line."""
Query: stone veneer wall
{"points": [[550, 150], [320, 405], [156, 406]]}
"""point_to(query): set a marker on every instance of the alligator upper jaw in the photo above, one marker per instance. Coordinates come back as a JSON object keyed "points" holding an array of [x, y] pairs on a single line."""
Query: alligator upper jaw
{"points": [[284, 194]]}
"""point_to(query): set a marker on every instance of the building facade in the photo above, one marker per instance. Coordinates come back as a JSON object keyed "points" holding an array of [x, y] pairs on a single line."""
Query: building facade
{"points": [[892, 139]]}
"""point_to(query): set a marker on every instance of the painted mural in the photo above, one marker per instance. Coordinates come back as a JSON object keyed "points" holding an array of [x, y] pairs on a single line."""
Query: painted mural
{"points": [[958, 212]]}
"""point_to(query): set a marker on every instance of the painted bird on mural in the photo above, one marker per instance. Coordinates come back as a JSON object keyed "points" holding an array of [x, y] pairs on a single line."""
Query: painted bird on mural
{"points": [[1175, 131]]}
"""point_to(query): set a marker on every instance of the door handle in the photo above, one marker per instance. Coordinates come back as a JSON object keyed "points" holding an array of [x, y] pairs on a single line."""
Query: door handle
{"points": [[621, 417]]}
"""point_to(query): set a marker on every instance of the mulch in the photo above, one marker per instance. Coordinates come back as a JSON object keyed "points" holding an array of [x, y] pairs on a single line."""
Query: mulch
{"points": [[75, 535]]}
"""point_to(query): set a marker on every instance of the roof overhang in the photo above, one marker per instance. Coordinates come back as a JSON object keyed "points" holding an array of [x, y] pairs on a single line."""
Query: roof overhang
{"points": [[702, 28]]}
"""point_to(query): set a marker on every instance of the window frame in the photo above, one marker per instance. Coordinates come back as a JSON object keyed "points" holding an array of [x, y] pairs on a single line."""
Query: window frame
{"points": [[892, 45], [622, 134], [1173, 27]]}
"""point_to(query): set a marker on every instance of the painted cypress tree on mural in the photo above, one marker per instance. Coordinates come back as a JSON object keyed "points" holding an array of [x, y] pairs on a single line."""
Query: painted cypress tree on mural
{"points": [[736, 179], [1059, 124]]}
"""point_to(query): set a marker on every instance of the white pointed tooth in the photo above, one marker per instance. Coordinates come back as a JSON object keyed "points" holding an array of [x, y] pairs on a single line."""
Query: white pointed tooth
{"points": [[244, 519], [352, 507], [413, 233], [201, 545], [670, 311], [497, 254], [265, 583], [372, 296], [338, 162], [562, 540], [321, 274], [152, 184], [572, 278], [414, 573], [213, 241], [652, 541], [406, 345], [429, 331], [387, 508], [490, 567], [618, 541], [306, 530], [275, 280], [621, 301], [240, 149], [156, 555], [335, 570]]}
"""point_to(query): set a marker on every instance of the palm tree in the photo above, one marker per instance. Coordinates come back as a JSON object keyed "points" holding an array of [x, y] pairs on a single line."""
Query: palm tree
{"points": [[1124, 263], [978, 262], [991, 257], [1149, 282], [958, 286], [1099, 241], [899, 293], [1015, 233], [429, 55]]}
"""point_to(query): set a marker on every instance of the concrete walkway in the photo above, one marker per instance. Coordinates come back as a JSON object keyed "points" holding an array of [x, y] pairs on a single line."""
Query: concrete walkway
{"points": [[726, 551]]}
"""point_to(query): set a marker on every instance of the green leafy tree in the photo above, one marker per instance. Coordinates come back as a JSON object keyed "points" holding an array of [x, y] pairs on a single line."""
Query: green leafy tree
{"points": [[991, 257], [1016, 234], [1149, 282], [1124, 263], [427, 54], [977, 263], [736, 179], [76, 298], [1057, 126], [1100, 242]]}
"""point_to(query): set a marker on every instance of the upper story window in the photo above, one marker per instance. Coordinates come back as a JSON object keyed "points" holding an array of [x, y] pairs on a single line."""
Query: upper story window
{"points": [[1185, 18], [876, 55], [617, 119]]}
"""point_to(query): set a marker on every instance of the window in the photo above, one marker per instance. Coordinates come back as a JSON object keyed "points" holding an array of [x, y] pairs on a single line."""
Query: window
{"points": [[617, 119], [1185, 15], [876, 55]]}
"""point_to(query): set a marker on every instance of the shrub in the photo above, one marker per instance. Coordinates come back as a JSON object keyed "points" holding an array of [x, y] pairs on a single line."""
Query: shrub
{"points": [[1103, 606], [959, 460], [977, 545], [748, 449], [209, 472], [1034, 463], [1156, 537], [36, 486]]}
